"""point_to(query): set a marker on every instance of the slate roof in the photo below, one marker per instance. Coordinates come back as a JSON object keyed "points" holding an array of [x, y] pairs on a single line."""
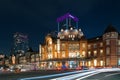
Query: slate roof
{"points": [[110, 28]]}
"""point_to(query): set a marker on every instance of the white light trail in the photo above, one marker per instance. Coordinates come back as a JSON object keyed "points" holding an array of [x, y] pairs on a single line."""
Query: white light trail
{"points": [[53, 75], [78, 75], [74, 76], [99, 71]]}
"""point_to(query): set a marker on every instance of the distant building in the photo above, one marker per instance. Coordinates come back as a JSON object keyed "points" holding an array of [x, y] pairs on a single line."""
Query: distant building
{"points": [[71, 47], [2, 56], [20, 43]]}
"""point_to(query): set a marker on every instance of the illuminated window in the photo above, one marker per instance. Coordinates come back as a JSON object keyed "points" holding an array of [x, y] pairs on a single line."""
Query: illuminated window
{"points": [[83, 45], [83, 53], [69, 36], [101, 44], [50, 42], [89, 63], [13, 59], [95, 53], [89, 46], [55, 54], [101, 52], [49, 56], [101, 63], [77, 54], [89, 53], [119, 50], [107, 50], [49, 49], [95, 62], [119, 61], [62, 37], [112, 34], [55, 47], [58, 45], [107, 35], [118, 42], [95, 46], [107, 42], [63, 54], [72, 54], [73, 36]]}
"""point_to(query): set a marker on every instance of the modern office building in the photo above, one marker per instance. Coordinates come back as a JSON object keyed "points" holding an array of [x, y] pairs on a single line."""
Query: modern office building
{"points": [[70, 47]]}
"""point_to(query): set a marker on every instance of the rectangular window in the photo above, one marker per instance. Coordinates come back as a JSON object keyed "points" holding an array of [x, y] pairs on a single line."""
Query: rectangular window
{"points": [[58, 45], [95, 46], [63, 54], [83, 53], [89, 46], [101, 44], [63, 47], [119, 50], [72, 54], [55, 54], [107, 61], [89, 53], [95, 62], [119, 61], [55, 47], [101, 52], [107, 51], [118, 42], [83, 45], [108, 35], [95, 53], [107, 42], [101, 63]]}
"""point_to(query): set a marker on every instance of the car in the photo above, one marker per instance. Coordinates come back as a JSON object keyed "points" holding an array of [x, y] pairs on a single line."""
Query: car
{"points": [[82, 68]]}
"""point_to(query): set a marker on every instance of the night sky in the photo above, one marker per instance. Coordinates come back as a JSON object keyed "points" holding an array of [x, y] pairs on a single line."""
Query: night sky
{"points": [[38, 17]]}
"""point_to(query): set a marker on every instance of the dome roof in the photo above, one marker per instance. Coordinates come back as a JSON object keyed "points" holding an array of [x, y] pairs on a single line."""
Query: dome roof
{"points": [[110, 28], [70, 33]]}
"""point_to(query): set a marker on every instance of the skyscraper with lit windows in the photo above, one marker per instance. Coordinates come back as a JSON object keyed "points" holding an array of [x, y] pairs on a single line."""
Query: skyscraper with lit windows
{"points": [[20, 42]]}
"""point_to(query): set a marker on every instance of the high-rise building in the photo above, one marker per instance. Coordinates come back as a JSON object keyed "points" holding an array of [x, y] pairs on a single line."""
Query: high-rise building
{"points": [[20, 42]]}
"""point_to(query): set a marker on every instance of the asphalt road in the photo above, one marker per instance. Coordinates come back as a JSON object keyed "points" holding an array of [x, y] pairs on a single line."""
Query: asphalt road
{"points": [[105, 76], [97, 74], [18, 76]]}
